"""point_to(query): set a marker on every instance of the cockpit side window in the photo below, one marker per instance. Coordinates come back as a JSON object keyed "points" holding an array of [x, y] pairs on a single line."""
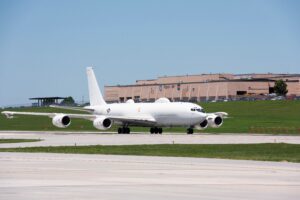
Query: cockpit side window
{"points": [[198, 110]]}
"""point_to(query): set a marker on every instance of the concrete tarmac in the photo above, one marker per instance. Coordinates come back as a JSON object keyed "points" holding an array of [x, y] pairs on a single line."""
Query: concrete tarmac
{"points": [[77, 138], [46, 176]]}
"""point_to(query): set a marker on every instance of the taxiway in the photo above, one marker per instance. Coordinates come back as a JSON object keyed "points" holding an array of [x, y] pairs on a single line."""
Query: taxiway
{"points": [[68, 176], [89, 138]]}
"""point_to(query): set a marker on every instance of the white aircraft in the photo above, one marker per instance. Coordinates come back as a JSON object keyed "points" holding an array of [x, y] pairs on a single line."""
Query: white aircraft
{"points": [[161, 113]]}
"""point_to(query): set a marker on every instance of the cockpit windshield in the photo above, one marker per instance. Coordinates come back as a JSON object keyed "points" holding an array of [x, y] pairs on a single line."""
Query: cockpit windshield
{"points": [[198, 110]]}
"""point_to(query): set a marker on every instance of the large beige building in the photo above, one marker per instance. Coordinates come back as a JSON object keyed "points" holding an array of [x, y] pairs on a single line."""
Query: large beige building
{"points": [[202, 87]]}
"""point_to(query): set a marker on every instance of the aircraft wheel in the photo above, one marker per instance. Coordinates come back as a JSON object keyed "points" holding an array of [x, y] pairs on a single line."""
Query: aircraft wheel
{"points": [[126, 130], [120, 131], [190, 131], [155, 130], [160, 130], [151, 130], [123, 130]]}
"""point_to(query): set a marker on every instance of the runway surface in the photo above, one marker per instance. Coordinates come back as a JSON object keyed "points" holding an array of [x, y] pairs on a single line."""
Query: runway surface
{"points": [[73, 138], [68, 176]]}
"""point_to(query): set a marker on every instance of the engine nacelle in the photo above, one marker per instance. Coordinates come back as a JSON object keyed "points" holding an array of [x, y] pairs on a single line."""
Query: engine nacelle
{"points": [[202, 125], [102, 123], [215, 121], [61, 121]]}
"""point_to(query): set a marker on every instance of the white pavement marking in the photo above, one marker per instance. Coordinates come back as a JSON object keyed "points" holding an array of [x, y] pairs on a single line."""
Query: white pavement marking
{"points": [[68, 176], [75, 138]]}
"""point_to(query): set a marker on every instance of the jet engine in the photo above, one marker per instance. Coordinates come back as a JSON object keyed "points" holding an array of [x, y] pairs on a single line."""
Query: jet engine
{"points": [[61, 121], [202, 125], [102, 123], [215, 121]]}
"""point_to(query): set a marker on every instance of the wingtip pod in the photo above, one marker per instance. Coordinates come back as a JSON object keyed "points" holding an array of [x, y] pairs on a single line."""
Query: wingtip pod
{"points": [[96, 98]]}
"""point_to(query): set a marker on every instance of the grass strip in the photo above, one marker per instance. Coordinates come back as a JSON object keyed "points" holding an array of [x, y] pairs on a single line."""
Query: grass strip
{"points": [[268, 117], [262, 152]]}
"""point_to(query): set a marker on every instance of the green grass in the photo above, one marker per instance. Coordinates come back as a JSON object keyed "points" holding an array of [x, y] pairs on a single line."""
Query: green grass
{"points": [[18, 140], [276, 117], [262, 152], [258, 117]]}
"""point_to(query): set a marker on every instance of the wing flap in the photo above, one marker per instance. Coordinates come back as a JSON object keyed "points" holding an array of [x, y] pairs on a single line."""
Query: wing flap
{"points": [[122, 119], [83, 109]]}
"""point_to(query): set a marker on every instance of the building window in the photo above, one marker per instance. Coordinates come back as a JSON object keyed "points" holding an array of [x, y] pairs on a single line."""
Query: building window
{"points": [[271, 90], [241, 92], [136, 98], [121, 99]]}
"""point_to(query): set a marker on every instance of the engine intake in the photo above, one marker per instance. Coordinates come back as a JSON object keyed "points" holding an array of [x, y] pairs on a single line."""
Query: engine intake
{"points": [[202, 125], [102, 123], [215, 121], [61, 121]]}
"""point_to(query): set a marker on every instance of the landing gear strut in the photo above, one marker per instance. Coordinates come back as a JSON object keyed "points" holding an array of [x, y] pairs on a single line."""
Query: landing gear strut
{"points": [[156, 130], [124, 130], [190, 131]]}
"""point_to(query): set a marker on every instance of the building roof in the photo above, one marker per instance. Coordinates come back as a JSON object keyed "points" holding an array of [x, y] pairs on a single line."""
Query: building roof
{"points": [[41, 98], [268, 77]]}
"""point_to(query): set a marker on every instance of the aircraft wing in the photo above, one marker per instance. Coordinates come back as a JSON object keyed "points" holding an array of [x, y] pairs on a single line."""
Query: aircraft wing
{"points": [[10, 114], [221, 114], [84, 109], [122, 119]]}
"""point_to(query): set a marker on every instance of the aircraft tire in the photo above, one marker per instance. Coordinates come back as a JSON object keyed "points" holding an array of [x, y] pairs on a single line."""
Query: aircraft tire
{"points": [[160, 130], [123, 130], [120, 131], [151, 130], [126, 130], [190, 131]]}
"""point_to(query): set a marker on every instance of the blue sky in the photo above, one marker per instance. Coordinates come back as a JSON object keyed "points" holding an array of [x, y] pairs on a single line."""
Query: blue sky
{"points": [[46, 45]]}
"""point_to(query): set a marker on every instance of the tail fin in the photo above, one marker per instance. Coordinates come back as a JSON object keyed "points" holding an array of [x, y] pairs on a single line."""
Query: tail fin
{"points": [[96, 98]]}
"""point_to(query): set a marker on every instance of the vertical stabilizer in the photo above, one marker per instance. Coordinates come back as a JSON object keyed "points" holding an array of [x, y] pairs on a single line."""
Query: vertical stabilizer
{"points": [[96, 98]]}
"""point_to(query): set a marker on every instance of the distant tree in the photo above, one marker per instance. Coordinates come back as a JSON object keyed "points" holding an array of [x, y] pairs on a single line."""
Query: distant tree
{"points": [[68, 101], [280, 87]]}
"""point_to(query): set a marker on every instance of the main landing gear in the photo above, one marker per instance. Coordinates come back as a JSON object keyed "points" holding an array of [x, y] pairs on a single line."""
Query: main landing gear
{"points": [[190, 131], [124, 130], [155, 130]]}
